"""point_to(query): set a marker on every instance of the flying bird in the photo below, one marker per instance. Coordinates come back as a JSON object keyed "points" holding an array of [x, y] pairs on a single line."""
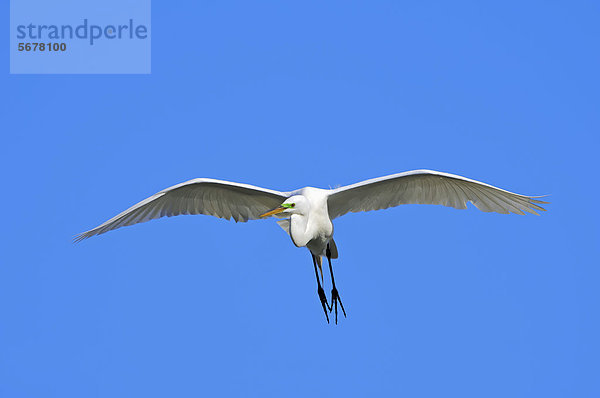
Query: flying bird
{"points": [[306, 214]]}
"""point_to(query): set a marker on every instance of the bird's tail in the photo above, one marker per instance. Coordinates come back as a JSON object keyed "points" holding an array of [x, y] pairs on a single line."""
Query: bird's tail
{"points": [[333, 249]]}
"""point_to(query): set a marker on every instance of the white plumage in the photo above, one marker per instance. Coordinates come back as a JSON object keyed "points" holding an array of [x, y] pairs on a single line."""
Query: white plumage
{"points": [[244, 202], [307, 212]]}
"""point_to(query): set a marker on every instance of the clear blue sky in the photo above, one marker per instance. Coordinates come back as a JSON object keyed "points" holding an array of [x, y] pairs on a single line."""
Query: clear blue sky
{"points": [[440, 302]]}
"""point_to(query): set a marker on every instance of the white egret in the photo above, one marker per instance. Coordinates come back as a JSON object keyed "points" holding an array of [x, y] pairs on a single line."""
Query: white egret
{"points": [[306, 214]]}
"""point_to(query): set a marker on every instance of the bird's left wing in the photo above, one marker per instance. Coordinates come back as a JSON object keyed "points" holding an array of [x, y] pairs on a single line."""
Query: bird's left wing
{"points": [[427, 187], [222, 199]]}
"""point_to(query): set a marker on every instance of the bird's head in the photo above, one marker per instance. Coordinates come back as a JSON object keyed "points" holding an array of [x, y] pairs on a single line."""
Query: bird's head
{"points": [[296, 204]]}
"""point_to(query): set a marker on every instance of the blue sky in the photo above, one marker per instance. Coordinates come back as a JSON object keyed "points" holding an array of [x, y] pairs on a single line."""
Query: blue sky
{"points": [[440, 302]]}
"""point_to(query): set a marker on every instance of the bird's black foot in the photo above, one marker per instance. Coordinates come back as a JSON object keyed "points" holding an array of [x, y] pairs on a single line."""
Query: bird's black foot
{"points": [[324, 302], [335, 298]]}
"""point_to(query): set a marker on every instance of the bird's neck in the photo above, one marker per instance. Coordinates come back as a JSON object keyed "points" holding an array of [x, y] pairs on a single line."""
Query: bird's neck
{"points": [[298, 230]]}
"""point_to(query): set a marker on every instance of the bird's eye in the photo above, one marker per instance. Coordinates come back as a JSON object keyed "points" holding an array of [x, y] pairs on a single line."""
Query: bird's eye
{"points": [[293, 204]]}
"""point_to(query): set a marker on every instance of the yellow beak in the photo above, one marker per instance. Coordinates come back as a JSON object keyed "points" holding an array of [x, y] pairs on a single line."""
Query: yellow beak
{"points": [[273, 212]]}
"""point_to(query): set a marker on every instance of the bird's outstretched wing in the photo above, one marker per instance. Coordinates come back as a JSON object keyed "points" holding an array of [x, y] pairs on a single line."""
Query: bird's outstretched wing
{"points": [[427, 187], [222, 199]]}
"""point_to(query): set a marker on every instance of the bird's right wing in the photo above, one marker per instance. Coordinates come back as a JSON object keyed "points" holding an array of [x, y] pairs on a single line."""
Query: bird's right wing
{"points": [[222, 199], [427, 187]]}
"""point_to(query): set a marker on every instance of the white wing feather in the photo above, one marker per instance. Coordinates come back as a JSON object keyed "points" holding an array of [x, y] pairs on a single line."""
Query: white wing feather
{"points": [[427, 187], [222, 199]]}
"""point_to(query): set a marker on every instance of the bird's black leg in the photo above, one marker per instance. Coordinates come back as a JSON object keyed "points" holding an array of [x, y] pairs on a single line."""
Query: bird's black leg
{"points": [[335, 296], [320, 290]]}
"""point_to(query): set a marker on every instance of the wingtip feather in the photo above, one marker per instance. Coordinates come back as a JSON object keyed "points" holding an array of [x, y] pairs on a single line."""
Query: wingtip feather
{"points": [[78, 238]]}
